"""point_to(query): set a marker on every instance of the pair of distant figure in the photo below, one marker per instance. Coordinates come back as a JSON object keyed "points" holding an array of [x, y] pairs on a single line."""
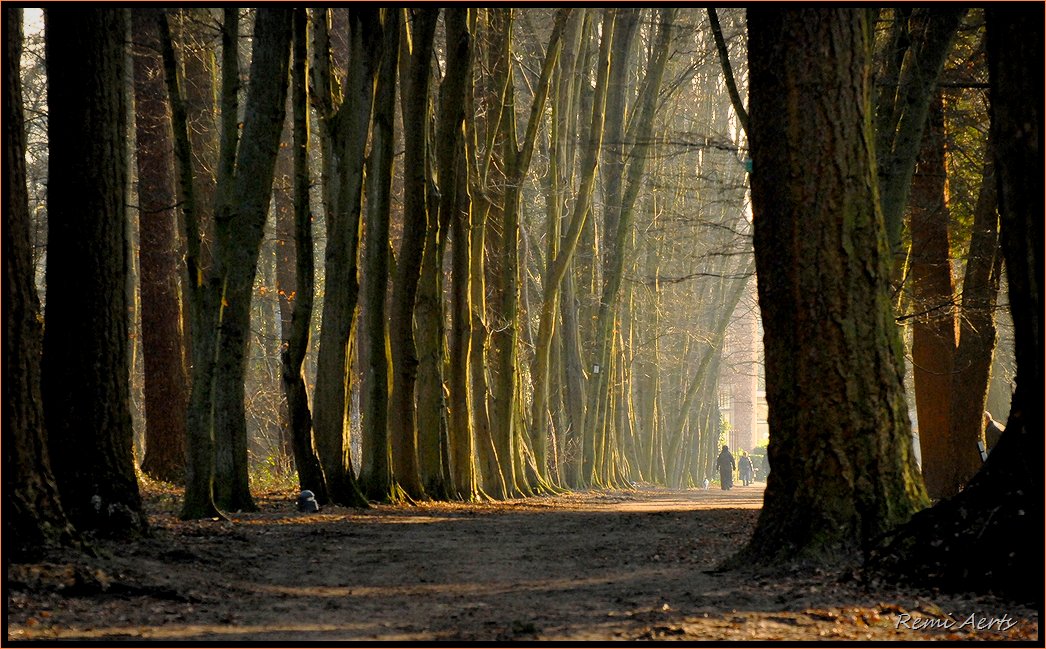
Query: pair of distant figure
{"points": [[726, 464]]}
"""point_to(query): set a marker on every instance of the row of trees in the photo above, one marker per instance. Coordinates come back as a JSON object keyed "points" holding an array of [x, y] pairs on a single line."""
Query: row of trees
{"points": [[543, 350]]}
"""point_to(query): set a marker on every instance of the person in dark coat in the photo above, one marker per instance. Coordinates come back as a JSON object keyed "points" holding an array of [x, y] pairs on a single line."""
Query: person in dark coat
{"points": [[726, 465], [745, 469]]}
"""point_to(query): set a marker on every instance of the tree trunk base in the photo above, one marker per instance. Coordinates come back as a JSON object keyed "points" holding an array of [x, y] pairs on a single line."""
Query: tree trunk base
{"points": [[986, 539]]}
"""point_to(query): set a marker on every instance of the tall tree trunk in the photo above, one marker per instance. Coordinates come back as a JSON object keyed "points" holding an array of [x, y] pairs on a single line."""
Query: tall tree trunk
{"points": [[933, 329], [231, 488], [823, 267], [403, 433], [344, 129], [239, 225], [296, 335], [166, 369], [977, 333], [200, 70], [485, 106], [200, 459], [86, 351], [501, 246], [34, 520], [455, 211], [376, 472], [573, 373], [619, 90]]}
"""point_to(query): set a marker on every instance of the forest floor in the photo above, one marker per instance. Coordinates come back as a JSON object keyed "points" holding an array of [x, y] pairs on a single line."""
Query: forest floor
{"points": [[595, 566]]}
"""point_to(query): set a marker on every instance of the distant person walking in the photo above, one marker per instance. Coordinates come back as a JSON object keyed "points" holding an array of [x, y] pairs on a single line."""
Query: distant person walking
{"points": [[726, 465], [745, 469]]}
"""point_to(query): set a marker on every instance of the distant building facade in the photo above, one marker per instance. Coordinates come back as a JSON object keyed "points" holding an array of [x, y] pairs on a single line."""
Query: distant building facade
{"points": [[742, 398]]}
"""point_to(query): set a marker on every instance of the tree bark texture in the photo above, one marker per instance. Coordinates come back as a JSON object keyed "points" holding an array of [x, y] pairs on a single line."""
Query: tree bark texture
{"points": [[933, 328], [971, 372], [166, 367], [344, 129], [86, 350], [34, 520], [840, 442], [403, 433], [296, 335], [455, 213], [239, 226], [376, 471]]}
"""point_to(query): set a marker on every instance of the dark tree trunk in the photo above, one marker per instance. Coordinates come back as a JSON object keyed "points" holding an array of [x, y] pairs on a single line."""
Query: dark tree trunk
{"points": [[933, 327], [977, 332], [33, 517], [376, 464], [345, 130], [166, 370], [86, 350], [239, 226], [299, 291], [840, 441], [455, 212], [989, 537], [199, 465]]}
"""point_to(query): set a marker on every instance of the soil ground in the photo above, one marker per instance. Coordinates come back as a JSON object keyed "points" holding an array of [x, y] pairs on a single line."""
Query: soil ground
{"points": [[595, 566]]}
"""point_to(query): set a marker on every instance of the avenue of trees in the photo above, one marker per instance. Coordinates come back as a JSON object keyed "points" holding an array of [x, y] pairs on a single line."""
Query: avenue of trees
{"points": [[463, 254]]}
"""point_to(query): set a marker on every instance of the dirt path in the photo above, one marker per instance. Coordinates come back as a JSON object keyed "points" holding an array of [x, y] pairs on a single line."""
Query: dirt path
{"points": [[591, 566]]}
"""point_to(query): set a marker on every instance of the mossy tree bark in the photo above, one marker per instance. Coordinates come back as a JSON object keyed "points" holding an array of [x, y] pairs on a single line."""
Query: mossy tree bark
{"points": [[841, 451], [376, 470], [455, 210], [403, 432], [344, 127]]}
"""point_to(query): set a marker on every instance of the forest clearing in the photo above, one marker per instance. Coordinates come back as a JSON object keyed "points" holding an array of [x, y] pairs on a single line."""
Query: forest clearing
{"points": [[588, 566]]}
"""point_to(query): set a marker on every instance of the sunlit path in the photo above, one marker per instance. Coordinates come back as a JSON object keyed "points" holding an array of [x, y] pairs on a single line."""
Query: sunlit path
{"points": [[651, 499], [596, 565]]}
